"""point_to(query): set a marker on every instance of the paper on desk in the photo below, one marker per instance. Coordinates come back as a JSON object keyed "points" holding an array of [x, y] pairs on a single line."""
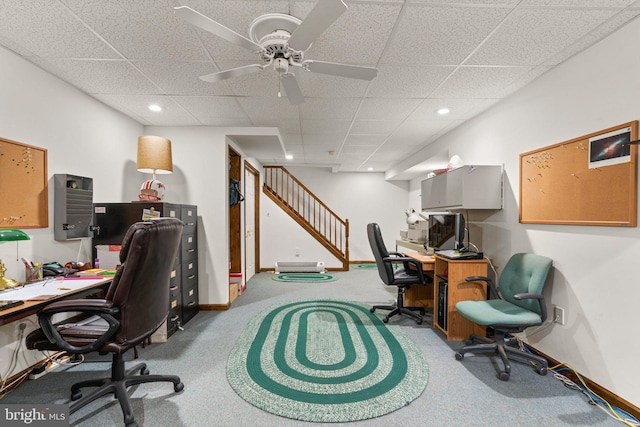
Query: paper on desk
{"points": [[49, 288]]}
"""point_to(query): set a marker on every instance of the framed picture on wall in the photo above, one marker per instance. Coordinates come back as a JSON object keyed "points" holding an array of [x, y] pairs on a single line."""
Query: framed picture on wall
{"points": [[610, 148]]}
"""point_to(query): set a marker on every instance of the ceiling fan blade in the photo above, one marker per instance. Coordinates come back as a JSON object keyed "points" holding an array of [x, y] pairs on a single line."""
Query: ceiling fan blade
{"points": [[323, 14], [292, 89], [233, 72], [199, 20], [341, 70]]}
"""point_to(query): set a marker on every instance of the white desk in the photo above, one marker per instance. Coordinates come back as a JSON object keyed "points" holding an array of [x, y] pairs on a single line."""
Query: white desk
{"points": [[36, 295]]}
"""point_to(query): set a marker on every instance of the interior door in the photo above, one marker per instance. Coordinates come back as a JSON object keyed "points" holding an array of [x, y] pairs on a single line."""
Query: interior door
{"points": [[250, 220]]}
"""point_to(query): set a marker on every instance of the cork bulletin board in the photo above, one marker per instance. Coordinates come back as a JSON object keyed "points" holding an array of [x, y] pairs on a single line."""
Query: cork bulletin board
{"points": [[590, 180], [23, 185]]}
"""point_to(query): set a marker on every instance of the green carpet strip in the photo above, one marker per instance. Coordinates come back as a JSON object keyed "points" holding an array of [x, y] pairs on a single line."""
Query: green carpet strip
{"points": [[303, 277], [325, 361]]}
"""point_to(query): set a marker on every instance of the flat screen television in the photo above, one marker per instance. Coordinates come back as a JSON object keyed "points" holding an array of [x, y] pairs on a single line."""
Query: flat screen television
{"points": [[447, 231]]}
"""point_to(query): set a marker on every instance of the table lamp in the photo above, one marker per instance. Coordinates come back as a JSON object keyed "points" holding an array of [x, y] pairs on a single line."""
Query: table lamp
{"points": [[154, 156], [9, 235]]}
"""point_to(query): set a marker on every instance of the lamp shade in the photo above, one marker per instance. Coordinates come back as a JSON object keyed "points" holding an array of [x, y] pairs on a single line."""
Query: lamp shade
{"points": [[154, 155], [11, 235]]}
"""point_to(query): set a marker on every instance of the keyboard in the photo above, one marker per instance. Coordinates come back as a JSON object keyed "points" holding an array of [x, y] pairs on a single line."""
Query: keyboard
{"points": [[453, 254]]}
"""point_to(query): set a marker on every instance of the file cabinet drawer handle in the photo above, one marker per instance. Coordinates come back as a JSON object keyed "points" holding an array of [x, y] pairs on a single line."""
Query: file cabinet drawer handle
{"points": [[191, 250], [175, 318], [173, 288], [191, 276], [191, 303]]}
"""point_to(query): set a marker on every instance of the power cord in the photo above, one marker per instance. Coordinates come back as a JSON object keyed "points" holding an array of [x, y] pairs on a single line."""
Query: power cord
{"points": [[612, 411]]}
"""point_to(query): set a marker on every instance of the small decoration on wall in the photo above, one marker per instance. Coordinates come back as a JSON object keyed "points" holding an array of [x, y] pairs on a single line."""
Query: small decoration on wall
{"points": [[611, 148]]}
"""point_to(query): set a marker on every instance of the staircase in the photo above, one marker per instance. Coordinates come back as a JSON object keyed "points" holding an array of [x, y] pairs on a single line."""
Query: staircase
{"points": [[311, 213]]}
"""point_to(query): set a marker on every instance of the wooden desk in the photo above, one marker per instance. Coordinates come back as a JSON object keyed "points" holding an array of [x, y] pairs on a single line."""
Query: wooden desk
{"points": [[57, 288], [453, 273], [421, 296]]}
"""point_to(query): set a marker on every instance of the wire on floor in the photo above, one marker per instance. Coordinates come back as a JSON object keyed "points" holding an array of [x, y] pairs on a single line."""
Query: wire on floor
{"points": [[614, 412]]}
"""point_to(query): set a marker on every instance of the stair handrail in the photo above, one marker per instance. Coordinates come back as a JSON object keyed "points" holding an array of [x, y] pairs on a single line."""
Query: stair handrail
{"points": [[306, 208]]}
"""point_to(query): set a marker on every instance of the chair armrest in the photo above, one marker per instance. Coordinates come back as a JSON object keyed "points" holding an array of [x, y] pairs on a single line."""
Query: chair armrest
{"points": [[492, 287], [405, 260], [398, 254], [539, 297], [99, 307], [528, 296]]}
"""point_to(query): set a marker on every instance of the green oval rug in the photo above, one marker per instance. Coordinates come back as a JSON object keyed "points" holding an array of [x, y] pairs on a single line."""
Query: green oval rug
{"points": [[325, 361], [303, 277]]}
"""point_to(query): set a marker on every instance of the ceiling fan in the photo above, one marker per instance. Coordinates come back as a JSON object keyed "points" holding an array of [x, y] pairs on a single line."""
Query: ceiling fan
{"points": [[281, 41]]}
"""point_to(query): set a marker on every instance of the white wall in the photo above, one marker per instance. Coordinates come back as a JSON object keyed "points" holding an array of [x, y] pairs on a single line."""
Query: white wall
{"points": [[595, 268], [82, 137], [359, 197]]}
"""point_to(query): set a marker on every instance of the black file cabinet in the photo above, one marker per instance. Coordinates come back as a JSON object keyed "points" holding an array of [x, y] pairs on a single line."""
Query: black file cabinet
{"points": [[111, 222]]}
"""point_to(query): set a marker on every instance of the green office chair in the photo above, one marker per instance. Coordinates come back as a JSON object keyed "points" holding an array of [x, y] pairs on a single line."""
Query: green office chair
{"points": [[518, 304]]}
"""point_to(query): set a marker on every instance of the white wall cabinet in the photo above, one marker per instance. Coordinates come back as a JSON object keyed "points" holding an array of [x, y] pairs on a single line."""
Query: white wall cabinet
{"points": [[466, 187]]}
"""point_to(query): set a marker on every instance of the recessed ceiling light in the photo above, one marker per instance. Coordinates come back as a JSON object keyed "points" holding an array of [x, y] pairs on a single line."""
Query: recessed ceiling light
{"points": [[443, 111], [155, 107], [370, 169], [289, 156]]}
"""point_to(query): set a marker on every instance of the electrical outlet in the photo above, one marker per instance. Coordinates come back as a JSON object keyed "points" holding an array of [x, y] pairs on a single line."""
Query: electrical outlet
{"points": [[558, 315], [297, 251]]}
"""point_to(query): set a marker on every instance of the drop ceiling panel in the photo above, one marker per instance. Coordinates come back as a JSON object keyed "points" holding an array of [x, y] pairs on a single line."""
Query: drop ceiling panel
{"points": [[329, 108], [447, 34], [172, 112], [182, 77], [385, 109], [47, 29], [394, 81], [358, 37], [269, 110], [532, 36], [150, 30], [480, 82], [93, 76], [206, 108]]}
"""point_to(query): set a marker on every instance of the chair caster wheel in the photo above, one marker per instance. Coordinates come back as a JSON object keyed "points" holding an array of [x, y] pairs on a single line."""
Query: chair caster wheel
{"points": [[144, 371], [423, 312], [541, 370], [385, 320], [459, 356], [419, 321], [178, 387], [504, 376], [76, 395], [132, 424], [373, 310]]}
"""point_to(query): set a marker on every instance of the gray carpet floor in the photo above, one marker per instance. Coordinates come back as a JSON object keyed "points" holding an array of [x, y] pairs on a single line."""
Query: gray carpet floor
{"points": [[457, 394]]}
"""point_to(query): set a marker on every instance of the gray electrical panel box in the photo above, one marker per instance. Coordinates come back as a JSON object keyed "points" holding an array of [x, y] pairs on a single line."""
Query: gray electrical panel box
{"points": [[73, 206]]}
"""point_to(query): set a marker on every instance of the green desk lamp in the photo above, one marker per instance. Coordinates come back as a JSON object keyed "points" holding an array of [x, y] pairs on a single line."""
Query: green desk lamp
{"points": [[9, 235]]}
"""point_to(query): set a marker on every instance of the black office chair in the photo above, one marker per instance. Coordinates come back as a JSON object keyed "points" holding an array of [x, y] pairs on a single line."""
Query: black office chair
{"points": [[518, 304], [135, 305], [403, 278]]}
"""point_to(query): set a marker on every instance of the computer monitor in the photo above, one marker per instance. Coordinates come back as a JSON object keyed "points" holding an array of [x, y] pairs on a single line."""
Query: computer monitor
{"points": [[460, 233], [447, 231]]}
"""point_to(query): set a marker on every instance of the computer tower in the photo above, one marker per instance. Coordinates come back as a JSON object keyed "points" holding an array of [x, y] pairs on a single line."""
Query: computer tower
{"points": [[443, 288]]}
